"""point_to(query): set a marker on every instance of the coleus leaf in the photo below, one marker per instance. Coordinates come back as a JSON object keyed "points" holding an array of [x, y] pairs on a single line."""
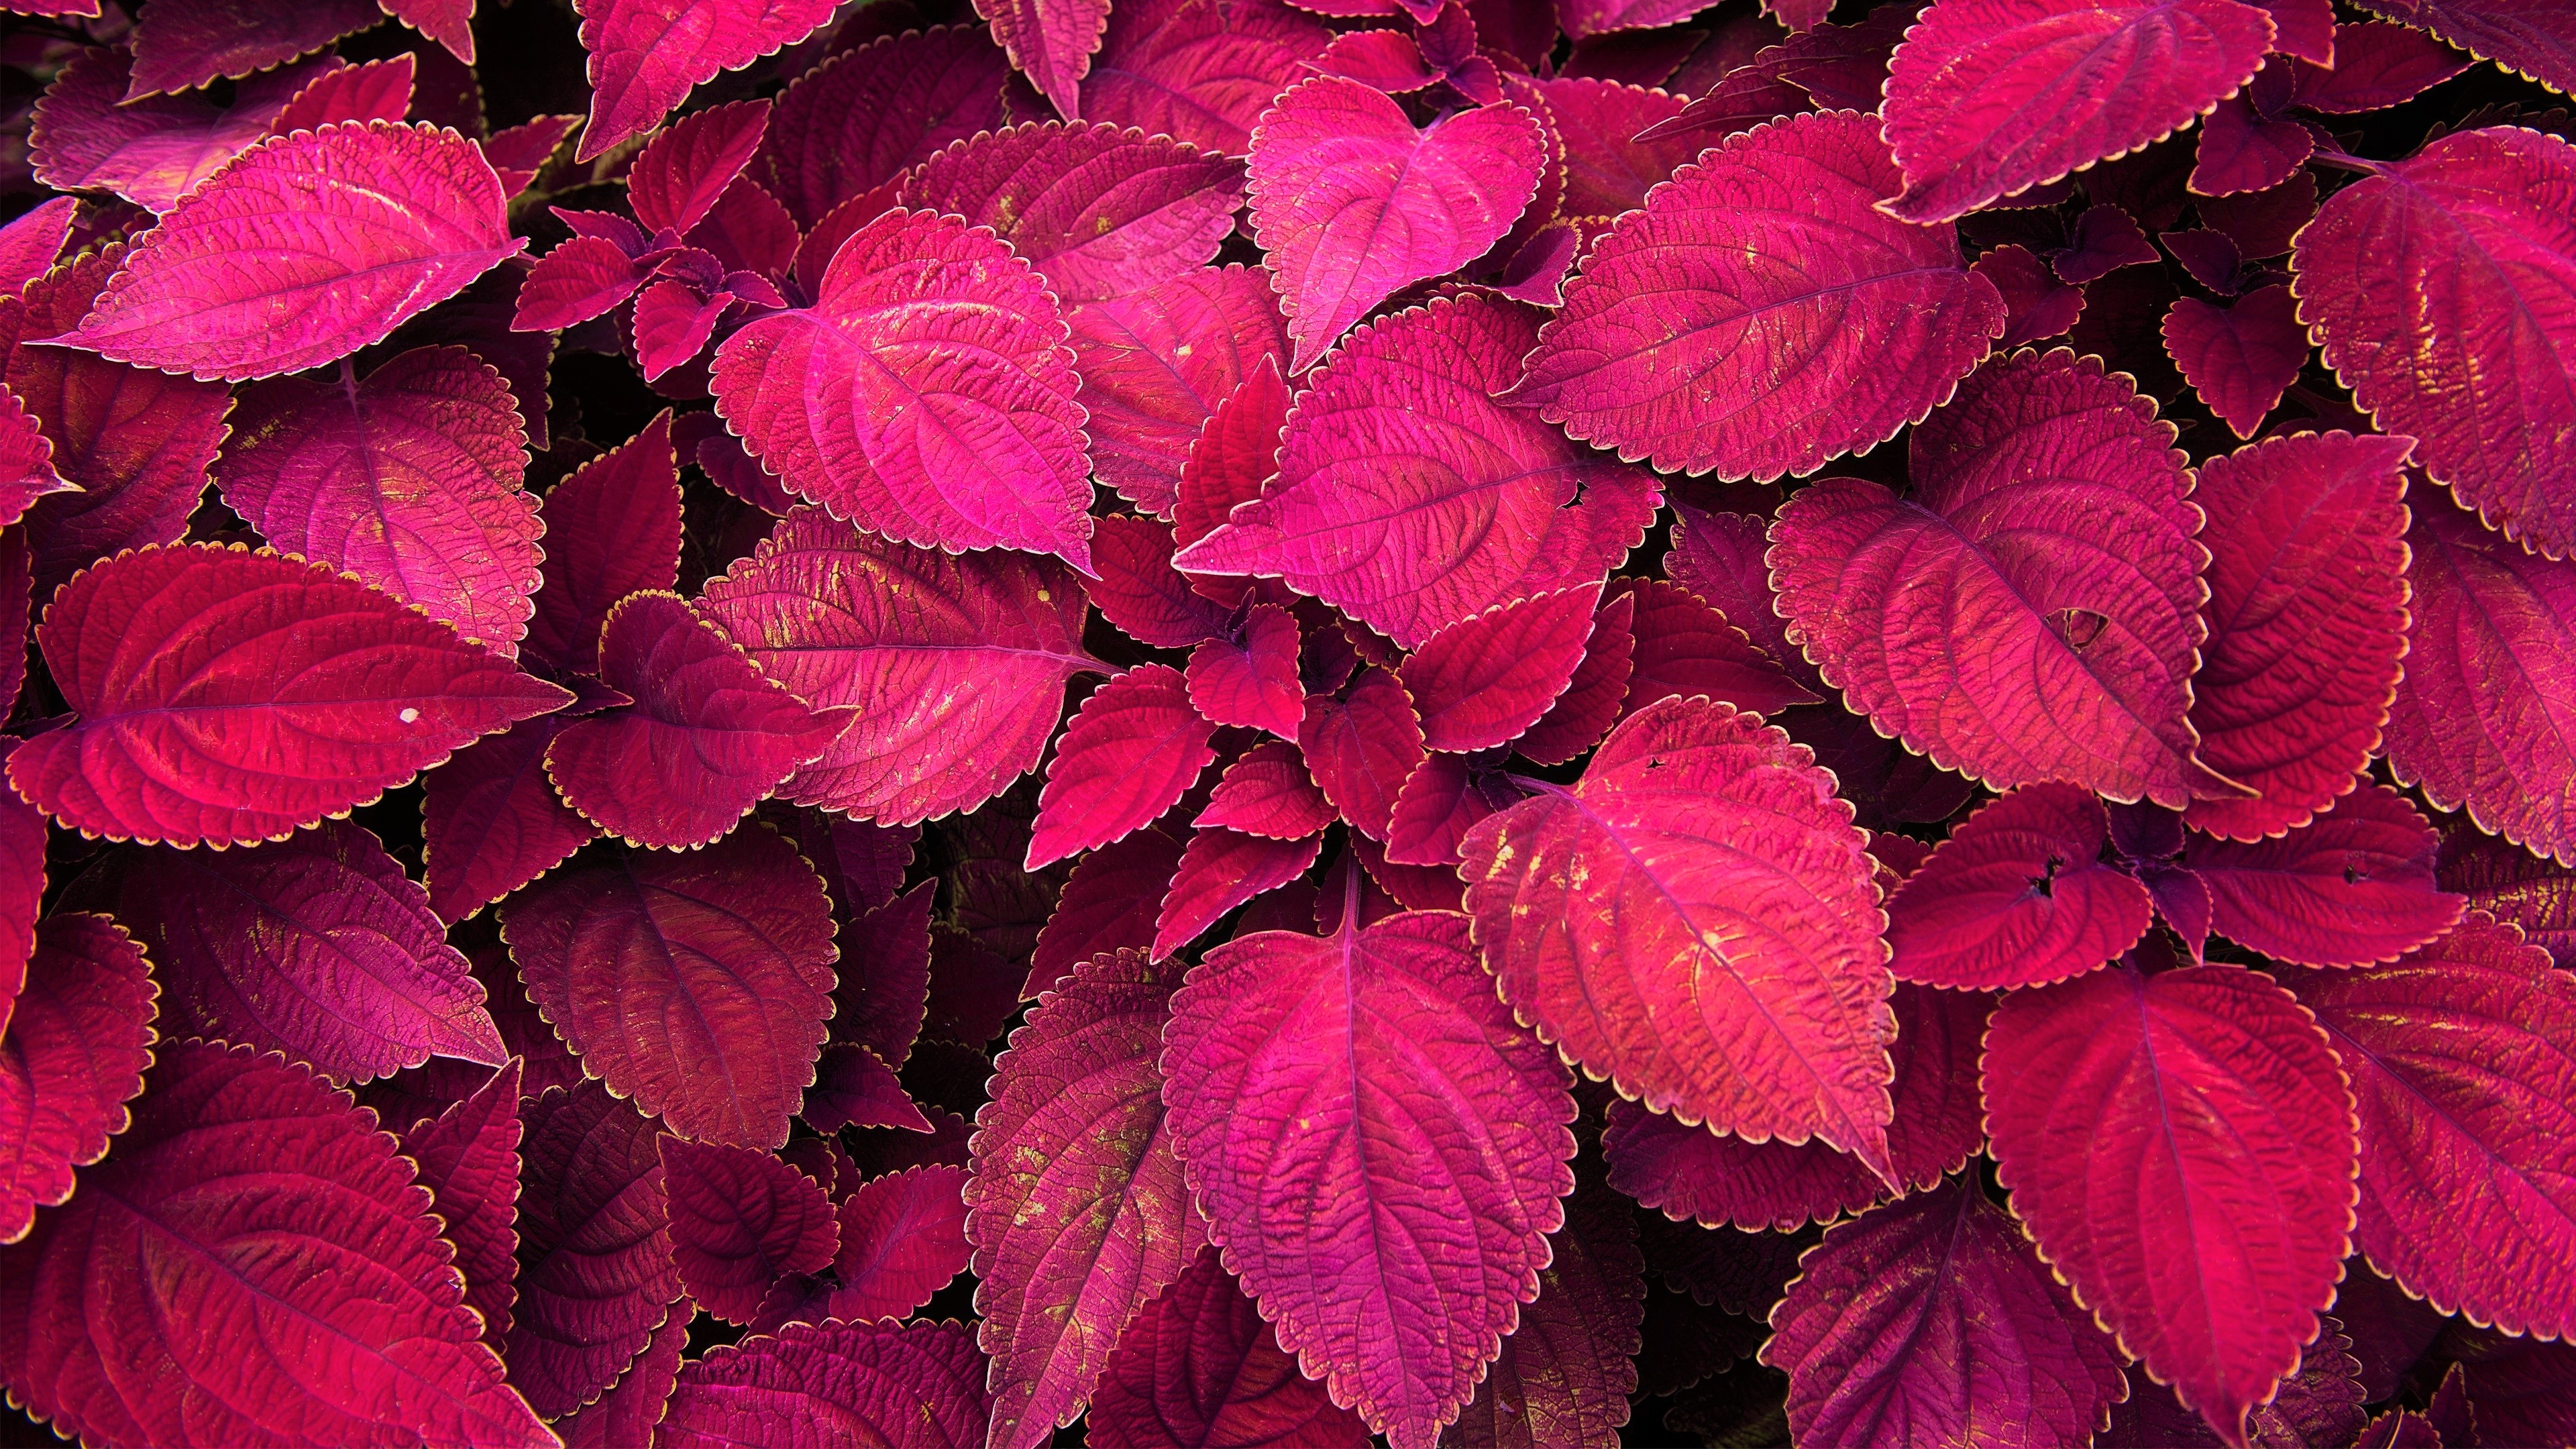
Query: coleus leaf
{"points": [[2528, 39], [1234, 456], [1286, 1058], [1139, 591], [1353, 203], [2241, 357], [375, 90], [2018, 896], [1679, 645], [408, 479], [903, 1237], [626, 1414], [78, 1040], [2512, 885], [2113, 1097], [1251, 679], [1130, 753], [695, 983], [1759, 318], [2037, 304], [1440, 802], [906, 1386], [31, 241], [155, 150], [109, 1297], [2486, 714], [2462, 1057], [1110, 903], [22, 889], [1199, 1366], [1199, 70], [1050, 42], [1593, 699], [2487, 396], [1156, 363], [1268, 793], [1747, 986], [1408, 524], [2351, 887], [318, 944], [196, 42], [2318, 1404], [469, 1161], [1608, 171], [2245, 145], [2306, 618], [1484, 680], [675, 180], [1220, 870], [740, 1220], [2102, 241], [491, 821], [851, 404], [865, 117], [885, 975], [1078, 1212], [1361, 748], [1930, 1320], [581, 278], [2049, 504], [853, 1088], [612, 529], [707, 738], [305, 249], [1988, 98], [595, 1267], [645, 55], [2375, 67], [1565, 1374]]}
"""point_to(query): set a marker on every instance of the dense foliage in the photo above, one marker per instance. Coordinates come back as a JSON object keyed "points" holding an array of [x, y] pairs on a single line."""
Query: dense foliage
{"points": [[1495, 722]]}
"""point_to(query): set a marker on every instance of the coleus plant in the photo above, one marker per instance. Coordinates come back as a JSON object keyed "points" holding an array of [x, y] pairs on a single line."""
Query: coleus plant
{"points": [[1273, 721]]}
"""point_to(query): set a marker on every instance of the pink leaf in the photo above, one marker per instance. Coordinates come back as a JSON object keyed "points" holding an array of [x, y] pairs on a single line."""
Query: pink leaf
{"points": [[2319, 1404], [1409, 499], [196, 42], [240, 1177], [318, 945], [1760, 318], [79, 1038], [1608, 171], [1391, 1244], [1681, 646], [1988, 98], [1156, 363], [908, 1386], [695, 983], [1254, 683], [612, 529], [1200, 1367], [2017, 896], [2513, 885], [306, 248], [1110, 904], [1221, 870], [1741, 982], [491, 821], [1353, 204], [2118, 1097], [864, 118], [2351, 887], [595, 1271], [1930, 1320], [2240, 358], [1234, 455], [903, 1237], [1051, 42], [851, 404], [378, 90], [740, 1220], [1440, 802], [645, 55], [1199, 70], [2038, 305], [2375, 67], [31, 241], [2486, 714], [1268, 793], [518, 153], [1140, 592], [1361, 748], [2049, 505], [1584, 19], [580, 279], [2306, 620], [469, 1161], [1592, 700], [155, 150], [2243, 149], [2103, 240], [1128, 755], [2527, 37], [708, 737], [1565, 1374], [1484, 680], [675, 180]]}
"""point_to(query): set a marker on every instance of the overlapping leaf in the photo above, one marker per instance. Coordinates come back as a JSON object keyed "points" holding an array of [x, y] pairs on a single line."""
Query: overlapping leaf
{"points": [[862, 119], [740, 1220], [1199, 70], [1156, 363], [644, 56], [595, 1270], [1131, 751], [1199, 1366], [78, 1039], [908, 1386], [2017, 896], [469, 1161]]}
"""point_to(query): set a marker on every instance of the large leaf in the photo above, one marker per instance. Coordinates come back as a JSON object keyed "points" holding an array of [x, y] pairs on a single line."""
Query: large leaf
{"points": [[2536, 38], [409, 479], [2181, 1146], [318, 944], [1200, 1368], [195, 42], [232, 697], [858, 404], [1565, 1374], [865, 117], [2049, 523], [1078, 1213], [1379, 1151], [905, 1386], [307, 248], [1199, 70], [1353, 204], [644, 55], [1155, 364], [155, 150], [251, 1264], [739, 1221], [595, 1271], [696, 983], [73, 1055], [1759, 317], [1696, 921], [1930, 1321], [469, 1161], [956, 665], [2463, 1058], [2440, 290], [1409, 499], [2017, 896], [1989, 98]]}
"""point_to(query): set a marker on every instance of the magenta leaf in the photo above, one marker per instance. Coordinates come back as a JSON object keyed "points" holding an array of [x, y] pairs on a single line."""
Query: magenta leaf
{"points": [[675, 180], [2527, 37], [2486, 393], [155, 150], [885, 975], [612, 529], [1931, 1321], [903, 1237], [1484, 680], [905, 1386], [1608, 171], [1565, 1374], [696, 983], [1139, 591], [1251, 680], [491, 821], [740, 1220], [2017, 896], [1199, 1366], [2118, 1096], [2049, 504], [22, 890], [248, 1192], [469, 1161], [2319, 1404], [852, 404], [595, 1269], [1353, 204], [644, 55], [2038, 306], [1361, 748], [1079, 1216], [1050, 42], [2486, 714], [31, 241], [1592, 700], [1440, 802], [1234, 456], [1287, 1059], [1199, 70], [865, 117], [1760, 318], [1988, 98], [1268, 793], [2351, 887], [2375, 67], [2102, 241], [78, 1040], [378, 90], [1111, 903], [318, 944], [1220, 870], [1747, 987], [1131, 751], [2245, 147], [2241, 357], [580, 279], [304, 250], [708, 737], [2513, 885], [1680, 646], [196, 42], [1157, 362], [518, 153], [1409, 499], [852, 1088], [626, 1414]]}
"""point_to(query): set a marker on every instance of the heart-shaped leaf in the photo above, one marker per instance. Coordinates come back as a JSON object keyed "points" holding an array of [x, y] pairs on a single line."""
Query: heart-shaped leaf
{"points": [[2017, 896], [740, 1220]]}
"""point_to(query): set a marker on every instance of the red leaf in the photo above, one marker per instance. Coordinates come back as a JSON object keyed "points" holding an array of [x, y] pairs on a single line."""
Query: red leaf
{"points": [[627, 1414], [1441, 801], [2017, 896], [74, 1053], [740, 1220], [903, 1236], [863, 118], [595, 1271], [2351, 887], [1361, 749], [1236, 452], [1593, 698], [2240, 358], [1155, 365], [1255, 683], [1566, 1373], [852, 1088], [675, 180], [1051, 42], [196, 42], [1110, 904], [1484, 680], [469, 1161], [491, 821], [376, 90], [1131, 751], [644, 56], [909, 1386], [2038, 305], [885, 975], [1268, 793], [1201, 70], [157, 149], [1139, 591], [1221, 870], [1683, 647], [1607, 170], [1200, 1367]]}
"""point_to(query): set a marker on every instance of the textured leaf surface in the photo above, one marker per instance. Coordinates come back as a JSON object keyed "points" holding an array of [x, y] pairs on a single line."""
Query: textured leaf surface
{"points": [[612, 529], [1379, 1152], [626, 1414], [595, 1271], [909, 1386], [903, 1237], [195, 42], [232, 697], [1268, 793], [155, 150], [697, 983], [1199, 70], [2241, 357], [1565, 1374], [1155, 364], [1235, 454], [2114, 1097], [2532, 39], [2017, 896], [469, 1161], [676, 179], [491, 821], [115, 1303], [78, 1039], [853, 1088], [1482, 681], [862, 119], [2353, 886], [1050, 42], [1360, 750], [1253, 683], [1220, 870], [740, 1220], [2513, 885], [1681, 646], [1110, 903], [1695, 920], [644, 55], [1201, 1369], [1131, 751]]}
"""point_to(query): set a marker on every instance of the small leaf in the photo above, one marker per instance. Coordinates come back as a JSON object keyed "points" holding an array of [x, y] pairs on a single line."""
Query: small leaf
{"points": [[469, 1161], [612, 529], [2351, 887], [675, 180], [1205, 1336], [491, 821], [78, 1041], [1220, 870], [1130, 753], [863, 118], [740, 1220], [1681, 646], [2017, 896], [644, 57], [1361, 749], [1483, 681], [2241, 357], [903, 1237]]}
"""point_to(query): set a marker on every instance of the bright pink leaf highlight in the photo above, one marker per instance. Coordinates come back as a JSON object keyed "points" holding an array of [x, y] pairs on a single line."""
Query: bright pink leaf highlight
{"points": [[1200, 1368], [1379, 1151], [79, 1037], [1131, 751], [2017, 896], [1199, 70], [595, 1271], [1234, 456], [469, 1161], [2113, 1097], [903, 1237], [1155, 364], [646, 54], [1484, 680], [740, 1220], [1353, 204], [856, 403], [491, 821], [905, 1386], [2351, 887], [675, 180], [1361, 749], [1051, 42], [1221, 870]]}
